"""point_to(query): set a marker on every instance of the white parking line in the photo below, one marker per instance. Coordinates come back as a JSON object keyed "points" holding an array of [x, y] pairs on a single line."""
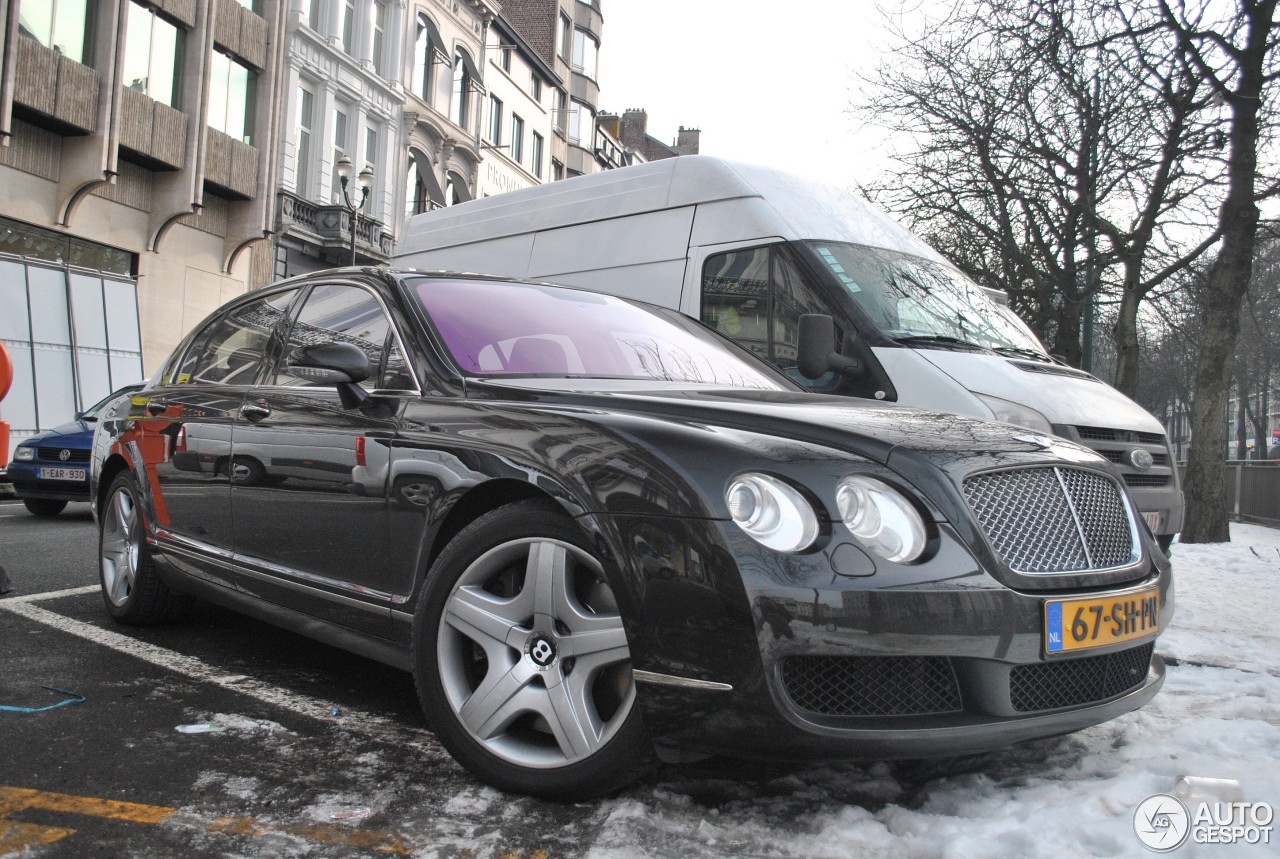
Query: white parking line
{"points": [[369, 724]]}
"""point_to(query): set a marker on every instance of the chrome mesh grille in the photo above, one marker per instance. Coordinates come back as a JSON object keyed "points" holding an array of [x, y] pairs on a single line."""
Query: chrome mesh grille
{"points": [[1053, 520]]}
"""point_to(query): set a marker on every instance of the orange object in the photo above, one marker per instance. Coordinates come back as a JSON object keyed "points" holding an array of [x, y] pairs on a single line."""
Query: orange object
{"points": [[6, 379]]}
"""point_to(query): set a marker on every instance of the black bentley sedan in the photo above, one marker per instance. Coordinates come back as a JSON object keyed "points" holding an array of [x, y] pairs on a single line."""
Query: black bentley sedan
{"points": [[599, 534]]}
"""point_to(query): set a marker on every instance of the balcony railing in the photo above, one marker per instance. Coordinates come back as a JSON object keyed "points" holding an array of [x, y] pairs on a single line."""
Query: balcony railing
{"points": [[330, 227]]}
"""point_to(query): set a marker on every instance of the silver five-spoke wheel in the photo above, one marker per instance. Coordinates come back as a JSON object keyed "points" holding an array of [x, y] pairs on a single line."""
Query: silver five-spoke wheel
{"points": [[522, 660], [121, 545]]}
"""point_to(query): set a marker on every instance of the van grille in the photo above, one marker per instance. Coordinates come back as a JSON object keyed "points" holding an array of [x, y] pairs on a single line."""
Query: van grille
{"points": [[1053, 520]]}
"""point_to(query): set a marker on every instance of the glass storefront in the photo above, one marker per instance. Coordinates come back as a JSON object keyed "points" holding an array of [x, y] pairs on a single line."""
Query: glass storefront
{"points": [[72, 332]]}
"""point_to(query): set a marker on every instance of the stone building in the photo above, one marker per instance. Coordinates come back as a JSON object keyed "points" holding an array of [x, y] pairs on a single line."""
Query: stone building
{"points": [[138, 154]]}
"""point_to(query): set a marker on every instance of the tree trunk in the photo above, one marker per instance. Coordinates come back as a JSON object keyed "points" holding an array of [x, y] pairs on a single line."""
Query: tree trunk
{"points": [[1125, 336], [1206, 497]]}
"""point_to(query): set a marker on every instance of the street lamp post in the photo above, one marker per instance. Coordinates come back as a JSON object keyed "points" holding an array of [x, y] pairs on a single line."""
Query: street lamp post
{"points": [[365, 181]]}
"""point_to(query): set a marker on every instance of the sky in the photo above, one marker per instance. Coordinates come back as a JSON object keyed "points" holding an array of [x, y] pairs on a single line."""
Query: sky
{"points": [[763, 85]]}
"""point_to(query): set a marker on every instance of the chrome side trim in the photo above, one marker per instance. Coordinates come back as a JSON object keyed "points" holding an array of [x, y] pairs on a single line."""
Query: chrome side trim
{"points": [[681, 682]]}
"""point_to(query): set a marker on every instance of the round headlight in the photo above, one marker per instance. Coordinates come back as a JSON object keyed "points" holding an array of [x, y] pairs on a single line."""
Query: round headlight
{"points": [[772, 513], [881, 518]]}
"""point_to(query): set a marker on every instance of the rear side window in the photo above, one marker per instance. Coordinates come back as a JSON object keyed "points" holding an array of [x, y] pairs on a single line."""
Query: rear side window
{"points": [[231, 349]]}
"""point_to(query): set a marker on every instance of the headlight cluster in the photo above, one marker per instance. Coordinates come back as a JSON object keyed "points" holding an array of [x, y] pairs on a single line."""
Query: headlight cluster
{"points": [[24, 454], [881, 518], [779, 517]]}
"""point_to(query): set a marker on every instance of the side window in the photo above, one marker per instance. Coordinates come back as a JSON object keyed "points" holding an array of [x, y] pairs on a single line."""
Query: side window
{"points": [[231, 350], [347, 314], [735, 297], [791, 298]]}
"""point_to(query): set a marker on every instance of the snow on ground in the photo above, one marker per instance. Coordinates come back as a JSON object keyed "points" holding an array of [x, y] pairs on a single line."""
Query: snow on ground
{"points": [[1217, 716]]}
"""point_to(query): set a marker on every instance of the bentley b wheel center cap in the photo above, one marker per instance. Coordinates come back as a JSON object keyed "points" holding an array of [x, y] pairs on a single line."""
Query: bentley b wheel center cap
{"points": [[542, 651]]}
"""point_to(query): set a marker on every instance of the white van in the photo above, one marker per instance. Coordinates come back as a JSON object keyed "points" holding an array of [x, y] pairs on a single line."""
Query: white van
{"points": [[749, 250]]}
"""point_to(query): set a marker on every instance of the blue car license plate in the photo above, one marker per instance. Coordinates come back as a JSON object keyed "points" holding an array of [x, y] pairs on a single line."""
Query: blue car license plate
{"points": [[60, 473]]}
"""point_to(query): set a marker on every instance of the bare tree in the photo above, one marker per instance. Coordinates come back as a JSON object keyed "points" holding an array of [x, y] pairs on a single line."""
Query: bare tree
{"points": [[1236, 57], [1056, 141]]}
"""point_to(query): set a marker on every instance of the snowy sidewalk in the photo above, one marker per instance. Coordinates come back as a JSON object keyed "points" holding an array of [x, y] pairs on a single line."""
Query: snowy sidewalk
{"points": [[1218, 715]]}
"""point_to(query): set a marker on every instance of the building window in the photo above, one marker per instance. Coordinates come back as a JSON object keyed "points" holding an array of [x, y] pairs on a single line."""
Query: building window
{"points": [[564, 38], [535, 156], [57, 24], [557, 170], [232, 89], [535, 88], [581, 120], [371, 158], [306, 114], [585, 51], [152, 54], [558, 111], [517, 139], [459, 108], [506, 59], [349, 27], [341, 145], [495, 120], [428, 47], [315, 14], [378, 19]]}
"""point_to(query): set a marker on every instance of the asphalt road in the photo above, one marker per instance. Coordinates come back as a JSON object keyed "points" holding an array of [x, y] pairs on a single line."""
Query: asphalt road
{"points": [[297, 749]]}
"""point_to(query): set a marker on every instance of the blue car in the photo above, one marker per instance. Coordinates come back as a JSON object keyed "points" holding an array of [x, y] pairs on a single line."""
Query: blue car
{"points": [[52, 468]]}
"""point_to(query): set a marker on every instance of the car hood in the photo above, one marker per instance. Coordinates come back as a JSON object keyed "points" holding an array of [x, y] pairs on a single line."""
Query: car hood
{"points": [[72, 434], [870, 429]]}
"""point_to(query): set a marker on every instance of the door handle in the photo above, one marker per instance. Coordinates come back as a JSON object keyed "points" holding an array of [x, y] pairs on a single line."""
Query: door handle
{"points": [[254, 412]]}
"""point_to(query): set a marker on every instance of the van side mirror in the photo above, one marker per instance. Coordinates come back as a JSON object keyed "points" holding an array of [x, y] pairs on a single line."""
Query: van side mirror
{"points": [[817, 348]]}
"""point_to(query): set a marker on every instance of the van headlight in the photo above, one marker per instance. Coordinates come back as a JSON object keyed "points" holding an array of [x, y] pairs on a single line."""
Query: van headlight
{"points": [[881, 518], [1017, 414], [772, 513], [24, 454]]}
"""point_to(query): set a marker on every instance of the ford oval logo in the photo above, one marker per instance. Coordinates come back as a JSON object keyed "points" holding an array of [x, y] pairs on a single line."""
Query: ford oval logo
{"points": [[1140, 459]]}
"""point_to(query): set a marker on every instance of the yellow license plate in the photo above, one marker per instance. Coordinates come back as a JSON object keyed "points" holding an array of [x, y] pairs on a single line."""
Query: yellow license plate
{"points": [[1079, 624]]}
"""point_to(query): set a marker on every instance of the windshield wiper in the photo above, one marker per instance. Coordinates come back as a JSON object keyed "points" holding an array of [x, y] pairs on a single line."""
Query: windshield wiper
{"points": [[1019, 352], [939, 340]]}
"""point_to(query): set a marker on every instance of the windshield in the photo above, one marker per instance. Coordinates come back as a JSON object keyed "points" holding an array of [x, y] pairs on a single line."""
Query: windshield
{"points": [[909, 297], [517, 329]]}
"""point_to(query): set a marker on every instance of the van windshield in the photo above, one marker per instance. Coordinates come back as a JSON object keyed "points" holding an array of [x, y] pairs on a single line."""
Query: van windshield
{"points": [[923, 302]]}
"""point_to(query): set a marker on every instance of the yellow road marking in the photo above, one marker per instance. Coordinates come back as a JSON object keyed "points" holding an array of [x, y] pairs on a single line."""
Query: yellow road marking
{"points": [[18, 836], [15, 835]]}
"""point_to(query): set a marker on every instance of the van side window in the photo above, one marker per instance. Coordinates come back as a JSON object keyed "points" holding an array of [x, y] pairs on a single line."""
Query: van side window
{"points": [[735, 297], [756, 296]]}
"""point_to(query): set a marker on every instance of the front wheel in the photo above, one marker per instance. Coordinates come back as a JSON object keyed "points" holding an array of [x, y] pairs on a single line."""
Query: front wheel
{"points": [[43, 506], [131, 587], [521, 659]]}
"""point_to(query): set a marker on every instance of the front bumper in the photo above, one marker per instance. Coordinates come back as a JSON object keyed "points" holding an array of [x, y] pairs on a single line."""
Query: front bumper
{"points": [[27, 485], [936, 659]]}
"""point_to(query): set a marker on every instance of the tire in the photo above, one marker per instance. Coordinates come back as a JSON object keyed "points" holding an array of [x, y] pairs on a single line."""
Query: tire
{"points": [[43, 506], [493, 664], [246, 471], [131, 586]]}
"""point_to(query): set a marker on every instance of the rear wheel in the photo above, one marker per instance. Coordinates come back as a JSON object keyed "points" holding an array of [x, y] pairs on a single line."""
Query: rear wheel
{"points": [[131, 586], [522, 663], [43, 506]]}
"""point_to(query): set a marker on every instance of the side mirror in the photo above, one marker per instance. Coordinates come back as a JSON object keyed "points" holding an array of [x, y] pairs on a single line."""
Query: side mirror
{"points": [[817, 353], [342, 364]]}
